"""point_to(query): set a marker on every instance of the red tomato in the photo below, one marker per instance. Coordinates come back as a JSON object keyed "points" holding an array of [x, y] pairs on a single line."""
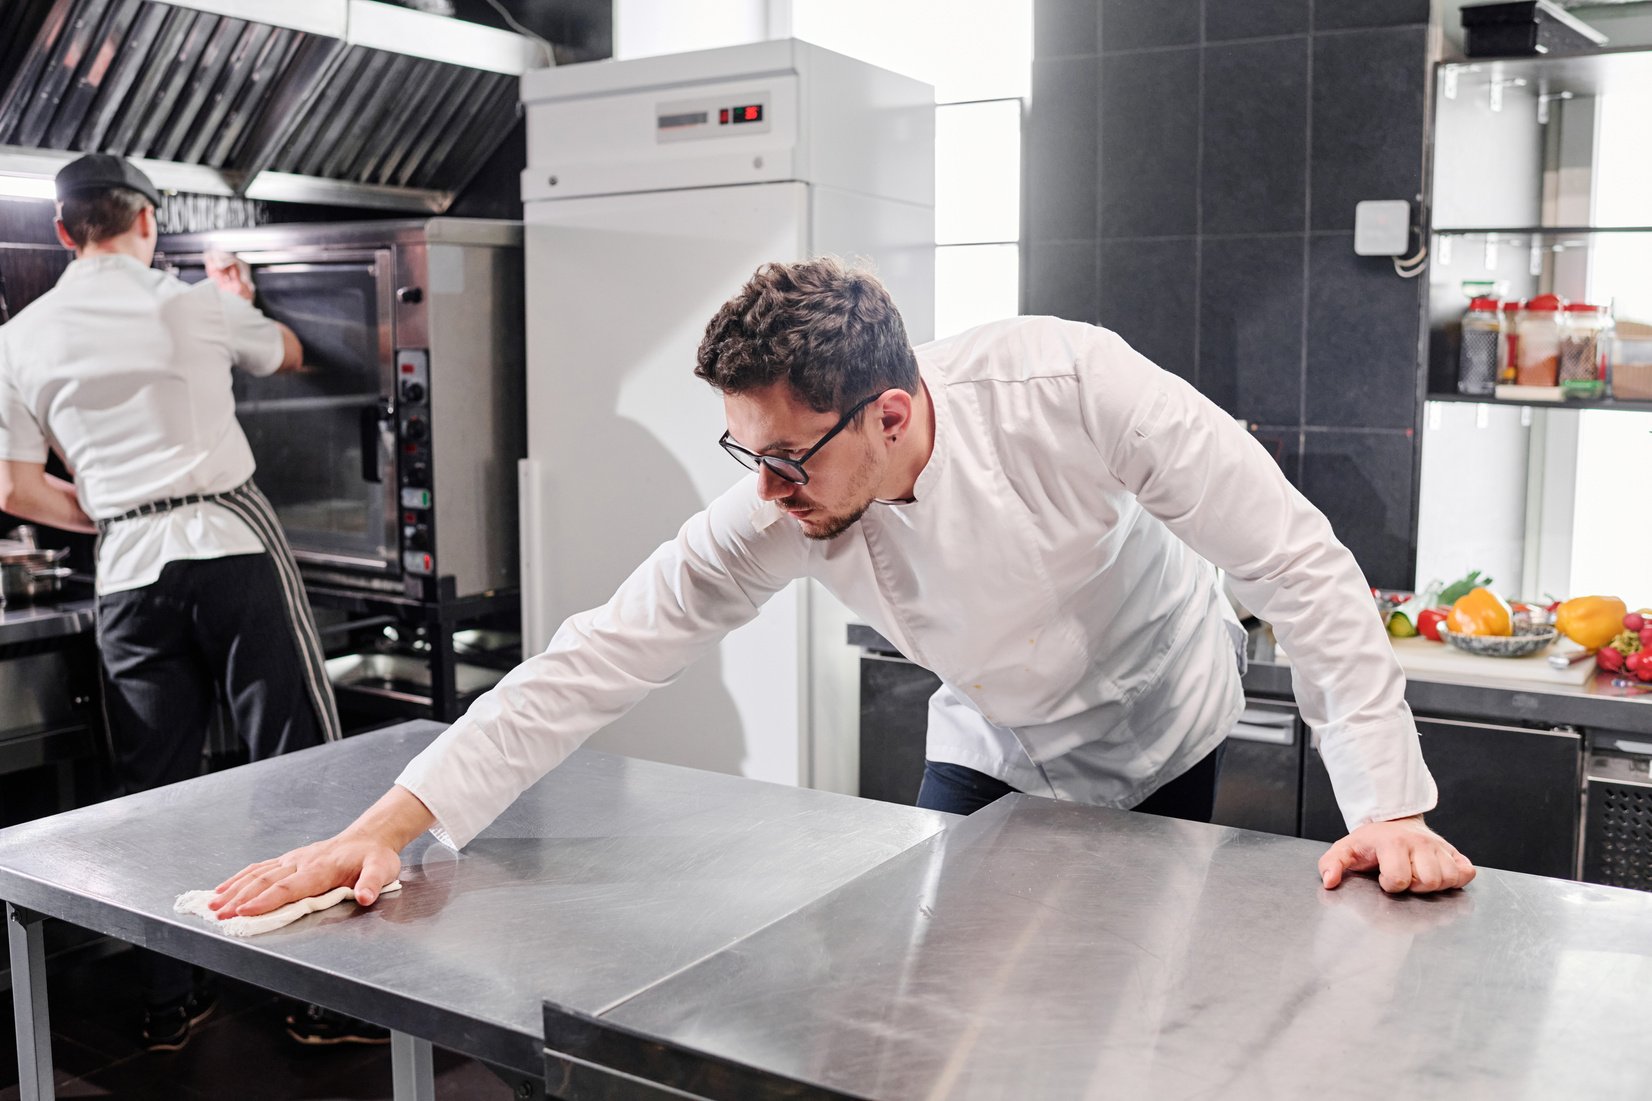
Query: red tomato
{"points": [[1646, 638], [1634, 661]]}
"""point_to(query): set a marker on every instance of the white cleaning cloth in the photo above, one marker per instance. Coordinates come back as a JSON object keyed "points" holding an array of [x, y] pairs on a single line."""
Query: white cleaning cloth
{"points": [[195, 902]]}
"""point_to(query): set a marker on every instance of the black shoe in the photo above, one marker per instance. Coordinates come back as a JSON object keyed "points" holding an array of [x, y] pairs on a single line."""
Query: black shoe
{"points": [[314, 1026], [167, 1027]]}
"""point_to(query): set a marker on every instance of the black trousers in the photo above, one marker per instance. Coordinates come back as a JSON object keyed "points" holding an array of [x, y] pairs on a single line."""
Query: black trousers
{"points": [[207, 628], [960, 790]]}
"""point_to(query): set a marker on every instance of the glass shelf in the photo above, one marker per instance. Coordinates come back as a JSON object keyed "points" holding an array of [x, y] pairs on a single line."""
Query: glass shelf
{"points": [[1569, 406], [1585, 74], [1542, 231]]}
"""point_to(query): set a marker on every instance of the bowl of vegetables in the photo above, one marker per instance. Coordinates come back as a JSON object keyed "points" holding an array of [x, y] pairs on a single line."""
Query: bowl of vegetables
{"points": [[1523, 641]]}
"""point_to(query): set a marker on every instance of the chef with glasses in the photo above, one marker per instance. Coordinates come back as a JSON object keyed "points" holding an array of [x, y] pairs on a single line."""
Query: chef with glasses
{"points": [[1031, 510]]}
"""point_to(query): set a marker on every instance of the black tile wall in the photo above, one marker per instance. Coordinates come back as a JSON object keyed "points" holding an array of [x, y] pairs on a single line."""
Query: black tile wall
{"points": [[1362, 338], [1255, 141], [1362, 481], [1228, 19], [1064, 30], [1331, 15], [1061, 278], [1149, 164], [1147, 296], [1283, 443], [1229, 142], [1142, 24], [1367, 120], [1061, 150], [1250, 326]]}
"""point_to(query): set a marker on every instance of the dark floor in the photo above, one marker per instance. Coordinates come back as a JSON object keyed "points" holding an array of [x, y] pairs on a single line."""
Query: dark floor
{"points": [[240, 1052]]}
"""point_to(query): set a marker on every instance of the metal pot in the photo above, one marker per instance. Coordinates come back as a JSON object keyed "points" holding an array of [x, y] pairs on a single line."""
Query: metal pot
{"points": [[28, 572]]}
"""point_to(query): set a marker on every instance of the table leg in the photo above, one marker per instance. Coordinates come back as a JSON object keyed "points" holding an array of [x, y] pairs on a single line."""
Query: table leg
{"points": [[25, 931], [412, 1076]]}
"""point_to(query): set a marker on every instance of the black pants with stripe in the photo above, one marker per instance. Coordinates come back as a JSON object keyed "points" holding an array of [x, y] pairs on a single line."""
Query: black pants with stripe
{"points": [[237, 628], [204, 628]]}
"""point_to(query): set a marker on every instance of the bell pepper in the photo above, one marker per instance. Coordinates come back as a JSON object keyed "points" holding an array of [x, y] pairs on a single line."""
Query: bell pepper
{"points": [[1480, 612], [1460, 588], [1429, 620], [1591, 621]]}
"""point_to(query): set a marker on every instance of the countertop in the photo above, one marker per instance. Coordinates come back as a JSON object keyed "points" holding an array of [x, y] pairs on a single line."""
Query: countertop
{"points": [[606, 876], [1041, 949], [1595, 705], [47, 620]]}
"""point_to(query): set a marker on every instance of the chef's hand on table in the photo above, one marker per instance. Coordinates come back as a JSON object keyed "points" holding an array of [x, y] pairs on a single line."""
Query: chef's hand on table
{"points": [[365, 856], [1406, 854]]}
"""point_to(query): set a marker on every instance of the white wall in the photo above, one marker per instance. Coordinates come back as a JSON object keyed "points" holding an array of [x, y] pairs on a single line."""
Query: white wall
{"points": [[645, 28]]}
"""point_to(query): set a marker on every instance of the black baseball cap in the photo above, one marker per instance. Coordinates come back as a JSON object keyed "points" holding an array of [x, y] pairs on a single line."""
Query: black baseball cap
{"points": [[101, 172]]}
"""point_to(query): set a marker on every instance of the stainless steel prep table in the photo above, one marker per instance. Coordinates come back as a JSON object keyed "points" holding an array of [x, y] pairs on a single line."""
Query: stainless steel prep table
{"points": [[33, 623], [1044, 950], [605, 877]]}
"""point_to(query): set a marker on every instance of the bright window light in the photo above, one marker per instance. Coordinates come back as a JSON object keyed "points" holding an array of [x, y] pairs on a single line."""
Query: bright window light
{"points": [[1610, 530], [968, 49], [26, 187], [978, 172], [975, 284]]}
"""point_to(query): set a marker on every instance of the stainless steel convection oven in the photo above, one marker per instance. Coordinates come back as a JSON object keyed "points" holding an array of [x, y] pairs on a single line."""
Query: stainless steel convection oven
{"points": [[391, 456]]}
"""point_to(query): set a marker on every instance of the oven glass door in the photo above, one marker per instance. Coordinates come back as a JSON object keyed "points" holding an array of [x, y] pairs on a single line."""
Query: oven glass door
{"points": [[323, 436]]}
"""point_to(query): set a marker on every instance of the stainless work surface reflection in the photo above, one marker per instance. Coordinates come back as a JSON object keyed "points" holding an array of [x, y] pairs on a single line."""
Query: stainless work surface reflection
{"points": [[1038, 949], [609, 874]]}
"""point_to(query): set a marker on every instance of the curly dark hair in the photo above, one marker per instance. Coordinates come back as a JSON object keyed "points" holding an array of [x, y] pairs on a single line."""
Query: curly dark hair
{"points": [[829, 330]]}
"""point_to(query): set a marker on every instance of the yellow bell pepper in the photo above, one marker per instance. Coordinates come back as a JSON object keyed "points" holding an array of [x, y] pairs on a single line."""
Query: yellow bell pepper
{"points": [[1590, 621], [1481, 612]]}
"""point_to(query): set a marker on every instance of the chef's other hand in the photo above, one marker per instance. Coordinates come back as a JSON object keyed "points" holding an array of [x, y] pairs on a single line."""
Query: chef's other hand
{"points": [[364, 857], [230, 272], [1406, 854]]}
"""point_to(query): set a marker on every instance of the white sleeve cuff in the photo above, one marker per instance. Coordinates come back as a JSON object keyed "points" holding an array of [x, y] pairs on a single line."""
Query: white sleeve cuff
{"points": [[1377, 770]]}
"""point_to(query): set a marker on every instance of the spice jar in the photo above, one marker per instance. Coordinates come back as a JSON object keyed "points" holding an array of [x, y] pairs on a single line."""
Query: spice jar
{"points": [[1537, 358], [1584, 344], [1482, 336]]}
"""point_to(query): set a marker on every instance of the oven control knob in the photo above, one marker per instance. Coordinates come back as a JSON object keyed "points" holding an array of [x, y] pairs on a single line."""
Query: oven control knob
{"points": [[415, 429], [412, 392], [418, 537], [418, 474], [412, 296]]}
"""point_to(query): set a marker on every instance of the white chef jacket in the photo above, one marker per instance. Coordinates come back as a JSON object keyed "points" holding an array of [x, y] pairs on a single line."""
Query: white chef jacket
{"points": [[1053, 569], [127, 370]]}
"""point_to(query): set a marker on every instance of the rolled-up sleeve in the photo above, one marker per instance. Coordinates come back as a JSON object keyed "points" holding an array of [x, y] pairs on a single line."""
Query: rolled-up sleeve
{"points": [[255, 344], [21, 437], [1191, 465], [713, 577]]}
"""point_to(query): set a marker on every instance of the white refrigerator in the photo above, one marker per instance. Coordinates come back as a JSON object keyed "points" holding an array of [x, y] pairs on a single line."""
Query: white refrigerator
{"points": [[654, 188]]}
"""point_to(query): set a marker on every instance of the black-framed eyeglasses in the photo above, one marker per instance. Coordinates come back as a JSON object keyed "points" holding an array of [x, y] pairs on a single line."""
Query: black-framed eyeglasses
{"points": [[791, 470]]}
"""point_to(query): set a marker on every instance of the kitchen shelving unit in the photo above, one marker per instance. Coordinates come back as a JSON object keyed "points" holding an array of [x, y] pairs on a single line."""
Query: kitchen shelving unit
{"points": [[1528, 156]]}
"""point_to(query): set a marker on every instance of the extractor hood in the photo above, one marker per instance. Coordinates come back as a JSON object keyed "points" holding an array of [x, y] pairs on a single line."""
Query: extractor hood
{"points": [[327, 101]]}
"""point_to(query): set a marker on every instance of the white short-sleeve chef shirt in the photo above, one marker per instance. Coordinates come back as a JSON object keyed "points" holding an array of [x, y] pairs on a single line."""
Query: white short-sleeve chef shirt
{"points": [[125, 370]]}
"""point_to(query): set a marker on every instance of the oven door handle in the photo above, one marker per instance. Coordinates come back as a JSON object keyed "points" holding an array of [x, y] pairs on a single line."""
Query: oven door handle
{"points": [[376, 421]]}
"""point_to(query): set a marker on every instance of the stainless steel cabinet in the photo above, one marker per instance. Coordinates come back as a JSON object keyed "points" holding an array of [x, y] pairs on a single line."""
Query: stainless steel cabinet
{"points": [[1261, 770], [1617, 794], [894, 722], [1508, 795]]}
